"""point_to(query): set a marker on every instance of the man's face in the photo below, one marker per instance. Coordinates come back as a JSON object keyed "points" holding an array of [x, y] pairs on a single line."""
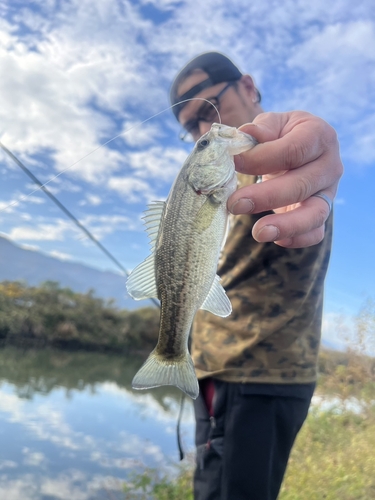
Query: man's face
{"points": [[236, 106]]}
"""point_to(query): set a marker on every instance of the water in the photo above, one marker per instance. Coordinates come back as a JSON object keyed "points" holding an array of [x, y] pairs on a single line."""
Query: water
{"points": [[72, 428]]}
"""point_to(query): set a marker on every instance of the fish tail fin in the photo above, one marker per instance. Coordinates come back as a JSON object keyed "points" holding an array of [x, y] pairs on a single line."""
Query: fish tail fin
{"points": [[157, 371]]}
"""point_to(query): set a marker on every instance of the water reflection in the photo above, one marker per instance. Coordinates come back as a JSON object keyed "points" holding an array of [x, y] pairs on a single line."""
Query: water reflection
{"points": [[71, 427]]}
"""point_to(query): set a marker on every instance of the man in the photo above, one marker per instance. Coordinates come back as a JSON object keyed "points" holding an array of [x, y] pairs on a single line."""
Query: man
{"points": [[257, 368]]}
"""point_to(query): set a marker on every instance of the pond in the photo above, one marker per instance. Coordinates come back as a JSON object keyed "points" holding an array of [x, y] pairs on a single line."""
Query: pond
{"points": [[71, 427]]}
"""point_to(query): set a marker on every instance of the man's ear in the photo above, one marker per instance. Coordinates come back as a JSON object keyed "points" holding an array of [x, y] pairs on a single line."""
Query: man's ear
{"points": [[249, 87], [248, 83]]}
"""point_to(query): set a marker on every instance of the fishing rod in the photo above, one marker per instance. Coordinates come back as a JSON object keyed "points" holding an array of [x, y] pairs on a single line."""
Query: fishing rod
{"points": [[68, 213]]}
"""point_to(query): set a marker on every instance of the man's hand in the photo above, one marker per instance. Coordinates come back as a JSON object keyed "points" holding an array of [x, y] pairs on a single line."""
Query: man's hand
{"points": [[298, 157]]}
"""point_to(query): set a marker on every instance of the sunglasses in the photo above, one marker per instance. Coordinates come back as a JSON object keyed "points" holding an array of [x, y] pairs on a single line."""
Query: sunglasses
{"points": [[206, 113]]}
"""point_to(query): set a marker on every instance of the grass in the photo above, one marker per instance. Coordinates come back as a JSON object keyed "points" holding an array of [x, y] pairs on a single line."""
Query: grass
{"points": [[333, 458]]}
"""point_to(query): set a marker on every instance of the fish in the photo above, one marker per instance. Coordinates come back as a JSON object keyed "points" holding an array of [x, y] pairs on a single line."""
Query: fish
{"points": [[187, 233]]}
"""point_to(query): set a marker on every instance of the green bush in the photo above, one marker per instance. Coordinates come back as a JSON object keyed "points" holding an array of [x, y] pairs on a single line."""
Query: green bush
{"points": [[51, 315]]}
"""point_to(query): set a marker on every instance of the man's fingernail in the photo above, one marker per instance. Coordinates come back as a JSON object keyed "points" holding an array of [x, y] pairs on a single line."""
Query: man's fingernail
{"points": [[242, 206], [267, 233]]}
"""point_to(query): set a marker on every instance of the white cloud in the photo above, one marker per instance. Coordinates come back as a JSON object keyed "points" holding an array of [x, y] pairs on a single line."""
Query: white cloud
{"points": [[53, 79], [8, 206], [106, 461], [101, 225], [7, 464], [139, 449], [58, 79], [36, 199], [47, 421], [66, 485], [25, 216], [157, 163], [61, 255], [358, 143], [33, 458], [50, 82], [93, 199], [24, 488], [148, 407], [42, 232], [11, 404], [105, 483], [70, 484], [133, 189], [60, 230], [43, 421], [339, 60], [138, 134], [33, 248], [58, 184]]}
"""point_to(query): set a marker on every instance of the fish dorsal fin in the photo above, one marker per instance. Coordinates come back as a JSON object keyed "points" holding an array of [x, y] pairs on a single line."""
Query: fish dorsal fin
{"points": [[217, 301], [141, 283], [152, 220]]}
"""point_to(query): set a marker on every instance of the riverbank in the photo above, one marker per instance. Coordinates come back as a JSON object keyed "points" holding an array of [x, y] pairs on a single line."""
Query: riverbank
{"points": [[51, 316]]}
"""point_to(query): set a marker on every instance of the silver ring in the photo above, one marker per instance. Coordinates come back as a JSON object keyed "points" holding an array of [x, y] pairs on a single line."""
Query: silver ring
{"points": [[325, 198]]}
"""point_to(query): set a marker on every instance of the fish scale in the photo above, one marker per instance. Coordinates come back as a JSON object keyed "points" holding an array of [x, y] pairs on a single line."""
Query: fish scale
{"points": [[186, 234]]}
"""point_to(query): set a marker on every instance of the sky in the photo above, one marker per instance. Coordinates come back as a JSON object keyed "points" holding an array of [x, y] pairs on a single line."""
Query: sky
{"points": [[76, 74]]}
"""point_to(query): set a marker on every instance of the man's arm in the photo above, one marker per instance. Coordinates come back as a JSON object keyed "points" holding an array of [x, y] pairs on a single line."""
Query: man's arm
{"points": [[298, 157]]}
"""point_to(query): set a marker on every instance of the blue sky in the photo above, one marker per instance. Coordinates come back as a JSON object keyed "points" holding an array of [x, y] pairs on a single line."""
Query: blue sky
{"points": [[76, 73]]}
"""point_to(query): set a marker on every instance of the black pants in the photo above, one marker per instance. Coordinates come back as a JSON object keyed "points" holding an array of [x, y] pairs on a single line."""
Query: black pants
{"points": [[243, 450]]}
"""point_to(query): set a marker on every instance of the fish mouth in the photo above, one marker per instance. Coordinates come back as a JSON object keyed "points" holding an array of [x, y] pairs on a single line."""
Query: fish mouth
{"points": [[237, 141], [224, 131]]}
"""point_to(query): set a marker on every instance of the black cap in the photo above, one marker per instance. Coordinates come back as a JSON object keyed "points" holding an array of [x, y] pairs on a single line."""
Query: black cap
{"points": [[219, 69]]}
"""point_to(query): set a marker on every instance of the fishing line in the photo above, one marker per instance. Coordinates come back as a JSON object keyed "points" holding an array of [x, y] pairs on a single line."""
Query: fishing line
{"points": [[69, 214], [62, 207], [40, 185]]}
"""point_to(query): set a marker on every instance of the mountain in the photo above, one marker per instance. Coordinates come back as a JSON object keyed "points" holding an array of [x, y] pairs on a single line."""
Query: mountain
{"points": [[32, 267]]}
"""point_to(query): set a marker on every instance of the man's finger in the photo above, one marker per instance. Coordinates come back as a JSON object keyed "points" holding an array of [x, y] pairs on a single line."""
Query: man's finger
{"points": [[283, 145], [283, 191], [304, 240], [310, 215]]}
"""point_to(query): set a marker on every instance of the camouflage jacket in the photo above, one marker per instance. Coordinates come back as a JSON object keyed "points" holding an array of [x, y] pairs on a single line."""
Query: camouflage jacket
{"points": [[273, 333]]}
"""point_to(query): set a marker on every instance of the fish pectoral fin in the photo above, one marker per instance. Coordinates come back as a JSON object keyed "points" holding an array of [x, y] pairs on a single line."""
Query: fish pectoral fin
{"points": [[157, 371], [141, 283], [217, 301], [205, 215]]}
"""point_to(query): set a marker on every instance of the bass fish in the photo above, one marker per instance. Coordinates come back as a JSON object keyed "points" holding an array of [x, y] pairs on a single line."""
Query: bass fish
{"points": [[186, 233]]}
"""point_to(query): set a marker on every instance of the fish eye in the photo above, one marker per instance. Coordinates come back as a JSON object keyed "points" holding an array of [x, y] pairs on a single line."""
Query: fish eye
{"points": [[202, 144]]}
